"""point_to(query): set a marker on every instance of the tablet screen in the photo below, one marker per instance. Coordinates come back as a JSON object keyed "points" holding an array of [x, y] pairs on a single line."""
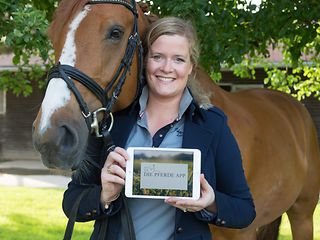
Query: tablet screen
{"points": [[162, 172]]}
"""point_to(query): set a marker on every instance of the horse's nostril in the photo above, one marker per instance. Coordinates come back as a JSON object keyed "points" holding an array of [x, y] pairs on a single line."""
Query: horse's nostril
{"points": [[68, 139]]}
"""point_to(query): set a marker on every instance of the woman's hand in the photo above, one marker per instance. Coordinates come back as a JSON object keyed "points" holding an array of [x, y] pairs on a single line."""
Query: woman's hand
{"points": [[113, 175], [206, 200]]}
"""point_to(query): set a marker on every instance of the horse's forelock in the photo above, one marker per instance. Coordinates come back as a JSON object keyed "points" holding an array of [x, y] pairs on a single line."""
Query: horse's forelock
{"points": [[65, 11], [146, 11]]}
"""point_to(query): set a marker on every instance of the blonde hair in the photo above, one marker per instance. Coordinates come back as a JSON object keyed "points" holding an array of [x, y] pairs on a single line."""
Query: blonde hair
{"points": [[174, 26], [178, 26]]}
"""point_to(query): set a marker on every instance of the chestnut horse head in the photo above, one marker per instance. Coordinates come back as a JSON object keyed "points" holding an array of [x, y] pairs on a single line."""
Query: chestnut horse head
{"points": [[83, 90]]}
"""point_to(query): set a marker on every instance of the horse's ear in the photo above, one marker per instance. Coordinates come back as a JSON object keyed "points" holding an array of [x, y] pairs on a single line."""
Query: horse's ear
{"points": [[146, 10], [144, 7]]}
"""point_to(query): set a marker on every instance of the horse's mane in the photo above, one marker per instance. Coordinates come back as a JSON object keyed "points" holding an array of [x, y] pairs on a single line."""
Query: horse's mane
{"points": [[62, 15]]}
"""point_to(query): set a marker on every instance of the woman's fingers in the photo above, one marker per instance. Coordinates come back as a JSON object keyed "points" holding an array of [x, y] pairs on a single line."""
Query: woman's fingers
{"points": [[114, 179], [185, 205], [122, 152], [119, 157], [207, 192], [115, 173], [206, 199], [114, 168]]}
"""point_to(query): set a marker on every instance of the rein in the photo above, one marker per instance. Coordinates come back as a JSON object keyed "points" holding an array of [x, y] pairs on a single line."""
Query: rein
{"points": [[67, 72]]}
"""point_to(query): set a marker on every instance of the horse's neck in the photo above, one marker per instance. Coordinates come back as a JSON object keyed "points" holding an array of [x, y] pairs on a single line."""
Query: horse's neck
{"points": [[220, 96], [217, 95]]}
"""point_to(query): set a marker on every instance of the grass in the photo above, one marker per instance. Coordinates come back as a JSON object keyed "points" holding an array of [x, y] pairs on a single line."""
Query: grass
{"points": [[36, 214], [285, 230]]}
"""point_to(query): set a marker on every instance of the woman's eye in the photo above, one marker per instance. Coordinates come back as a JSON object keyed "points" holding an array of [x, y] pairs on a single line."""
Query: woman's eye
{"points": [[156, 57], [180, 60]]}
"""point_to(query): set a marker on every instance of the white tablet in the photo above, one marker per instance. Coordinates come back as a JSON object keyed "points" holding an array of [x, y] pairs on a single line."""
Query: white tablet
{"points": [[160, 173]]}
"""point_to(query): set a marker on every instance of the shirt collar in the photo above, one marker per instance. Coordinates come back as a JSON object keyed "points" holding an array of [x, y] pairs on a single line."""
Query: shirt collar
{"points": [[184, 103]]}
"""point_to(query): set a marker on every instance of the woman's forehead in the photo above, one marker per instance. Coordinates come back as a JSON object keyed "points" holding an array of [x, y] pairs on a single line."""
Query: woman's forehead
{"points": [[170, 43]]}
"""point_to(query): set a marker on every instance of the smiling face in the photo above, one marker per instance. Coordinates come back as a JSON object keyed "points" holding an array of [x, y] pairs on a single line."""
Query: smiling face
{"points": [[168, 66]]}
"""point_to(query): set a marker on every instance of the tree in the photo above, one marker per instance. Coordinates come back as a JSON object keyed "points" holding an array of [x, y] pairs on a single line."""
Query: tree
{"points": [[23, 31], [235, 34]]}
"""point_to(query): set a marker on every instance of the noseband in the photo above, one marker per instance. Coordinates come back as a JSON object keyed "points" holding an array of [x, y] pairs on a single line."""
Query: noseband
{"points": [[67, 73]]}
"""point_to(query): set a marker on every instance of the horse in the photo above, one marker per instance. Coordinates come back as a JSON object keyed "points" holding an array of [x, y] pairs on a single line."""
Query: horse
{"points": [[275, 133]]}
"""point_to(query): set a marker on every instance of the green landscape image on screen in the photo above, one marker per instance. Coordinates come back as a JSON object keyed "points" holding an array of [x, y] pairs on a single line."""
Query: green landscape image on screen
{"points": [[170, 157]]}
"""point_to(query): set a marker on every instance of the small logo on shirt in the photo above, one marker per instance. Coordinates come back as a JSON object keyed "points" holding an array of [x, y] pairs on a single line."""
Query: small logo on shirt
{"points": [[179, 132]]}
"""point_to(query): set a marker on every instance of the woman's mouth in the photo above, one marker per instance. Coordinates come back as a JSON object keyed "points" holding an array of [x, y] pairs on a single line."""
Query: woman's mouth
{"points": [[165, 79]]}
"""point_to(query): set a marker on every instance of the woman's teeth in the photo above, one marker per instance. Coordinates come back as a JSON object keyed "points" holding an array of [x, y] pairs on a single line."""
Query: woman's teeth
{"points": [[165, 79]]}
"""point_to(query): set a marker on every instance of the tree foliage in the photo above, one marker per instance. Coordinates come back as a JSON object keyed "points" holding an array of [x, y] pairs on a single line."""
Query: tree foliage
{"points": [[238, 34], [234, 34], [23, 27]]}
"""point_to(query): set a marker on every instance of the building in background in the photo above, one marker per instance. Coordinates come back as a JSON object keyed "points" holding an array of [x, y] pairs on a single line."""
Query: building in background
{"points": [[18, 113]]}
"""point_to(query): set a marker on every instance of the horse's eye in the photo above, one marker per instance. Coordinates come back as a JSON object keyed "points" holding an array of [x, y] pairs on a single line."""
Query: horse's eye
{"points": [[115, 34]]}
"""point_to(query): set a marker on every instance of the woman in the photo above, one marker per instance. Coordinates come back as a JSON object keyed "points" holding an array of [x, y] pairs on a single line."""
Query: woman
{"points": [[166, 115]]}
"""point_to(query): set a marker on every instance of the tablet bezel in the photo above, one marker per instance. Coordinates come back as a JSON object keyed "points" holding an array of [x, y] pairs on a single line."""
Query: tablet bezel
{"points": [[196, 163]]}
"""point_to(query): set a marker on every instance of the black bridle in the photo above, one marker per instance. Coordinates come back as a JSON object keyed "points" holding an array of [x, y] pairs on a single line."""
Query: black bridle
{"points": [[69, 73]]}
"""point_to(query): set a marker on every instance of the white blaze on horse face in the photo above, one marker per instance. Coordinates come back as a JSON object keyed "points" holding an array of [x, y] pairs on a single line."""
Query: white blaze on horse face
{"points": [[68, 55], [58, 93]]}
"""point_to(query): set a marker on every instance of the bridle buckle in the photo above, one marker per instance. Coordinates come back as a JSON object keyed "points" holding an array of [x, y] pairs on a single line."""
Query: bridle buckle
{"points": [[95, 123]]}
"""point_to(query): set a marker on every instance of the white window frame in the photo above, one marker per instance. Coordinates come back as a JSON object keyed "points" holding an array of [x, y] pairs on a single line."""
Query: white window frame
{"points": [[237, 87], [3, 102]]}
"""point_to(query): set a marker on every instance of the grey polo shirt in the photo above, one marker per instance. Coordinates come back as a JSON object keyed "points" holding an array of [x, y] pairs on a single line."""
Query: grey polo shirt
{"points": [[152, 217]]}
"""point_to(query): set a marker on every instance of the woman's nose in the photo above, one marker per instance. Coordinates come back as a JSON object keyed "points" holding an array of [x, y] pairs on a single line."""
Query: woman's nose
{"points": [[166, 66]]}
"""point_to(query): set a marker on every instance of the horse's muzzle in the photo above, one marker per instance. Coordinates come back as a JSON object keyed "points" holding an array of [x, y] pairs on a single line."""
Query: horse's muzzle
{"points": [[61, 147]]}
